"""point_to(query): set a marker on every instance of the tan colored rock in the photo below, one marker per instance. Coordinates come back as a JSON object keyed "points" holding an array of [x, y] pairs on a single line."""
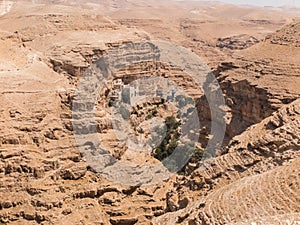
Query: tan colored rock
{"points": [[123, 221], [45, 48], [74, 171]]}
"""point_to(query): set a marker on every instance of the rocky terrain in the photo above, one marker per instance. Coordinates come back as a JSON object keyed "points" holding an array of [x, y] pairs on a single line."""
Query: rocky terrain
{"points": [[48, 46]]}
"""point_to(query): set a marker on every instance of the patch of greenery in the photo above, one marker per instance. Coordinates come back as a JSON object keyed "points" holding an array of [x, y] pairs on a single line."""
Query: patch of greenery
{"points": [[149, 117], [198, 154], [170, 142], [184, 153], [188, 153]]}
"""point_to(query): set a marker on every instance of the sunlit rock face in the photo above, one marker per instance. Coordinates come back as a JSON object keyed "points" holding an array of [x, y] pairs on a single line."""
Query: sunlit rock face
{"points": [[46, 176]]}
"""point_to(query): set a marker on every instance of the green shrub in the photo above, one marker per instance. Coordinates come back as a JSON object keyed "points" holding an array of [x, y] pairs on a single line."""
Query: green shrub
{"points": [[184, 153], [198, 154], [172, 124], [170, 142], [149, 117]]}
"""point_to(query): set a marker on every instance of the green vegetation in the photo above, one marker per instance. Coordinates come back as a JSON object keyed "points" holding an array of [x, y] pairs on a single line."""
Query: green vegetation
{"points": [[149, 117], [170, 142], [185, 153], [198, 154], [167, 136]]}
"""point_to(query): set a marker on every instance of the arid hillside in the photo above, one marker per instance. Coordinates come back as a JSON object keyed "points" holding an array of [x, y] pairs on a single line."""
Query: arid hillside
{"points": [[49, 50]]}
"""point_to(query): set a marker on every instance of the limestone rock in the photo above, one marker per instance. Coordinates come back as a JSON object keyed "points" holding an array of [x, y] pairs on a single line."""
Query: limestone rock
{"points": [[237, 42], [46, 47], [73, 171], [123, 221]]}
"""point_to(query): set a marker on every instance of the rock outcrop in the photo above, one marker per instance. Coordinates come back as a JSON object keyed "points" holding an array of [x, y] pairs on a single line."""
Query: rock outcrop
{"points": [[45, 178], [259, 165], [238, 42], [289, 36]]}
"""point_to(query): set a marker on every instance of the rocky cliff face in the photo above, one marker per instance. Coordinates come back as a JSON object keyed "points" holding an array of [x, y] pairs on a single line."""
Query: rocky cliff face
{"points": [[44, 176], [262, 152], [237, 42], [252, 83], [289, 36], [259, 165], [39, 156]]}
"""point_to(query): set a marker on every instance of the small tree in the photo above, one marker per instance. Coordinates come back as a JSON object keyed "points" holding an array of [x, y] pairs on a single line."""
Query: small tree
{"points": [[170, 142]]}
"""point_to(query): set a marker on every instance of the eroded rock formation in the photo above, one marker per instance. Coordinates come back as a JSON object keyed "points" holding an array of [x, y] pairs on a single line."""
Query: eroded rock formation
{"points": [[45, 178]]}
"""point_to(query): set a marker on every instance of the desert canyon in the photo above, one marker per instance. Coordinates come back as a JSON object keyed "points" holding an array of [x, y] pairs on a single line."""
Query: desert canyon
{"points": [[46, 47]]}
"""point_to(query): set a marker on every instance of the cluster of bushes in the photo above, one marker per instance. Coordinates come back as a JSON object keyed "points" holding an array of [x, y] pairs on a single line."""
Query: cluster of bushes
{"points": [[165, 151], [170, 142], [184, 153]]}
